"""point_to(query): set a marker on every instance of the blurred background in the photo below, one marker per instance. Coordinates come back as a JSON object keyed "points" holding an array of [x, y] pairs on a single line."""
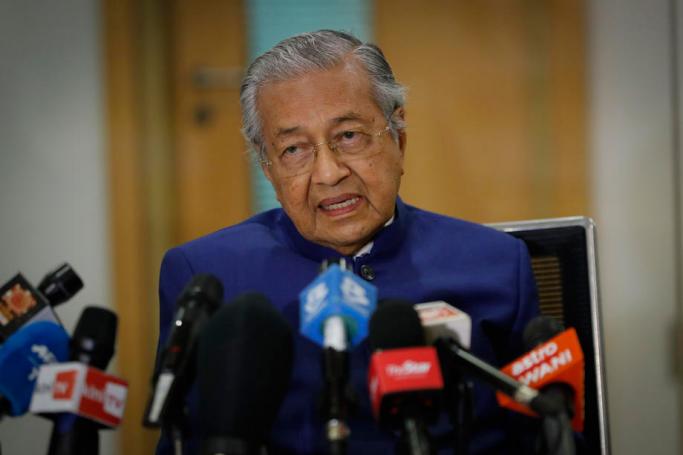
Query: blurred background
{"points": [[119, 137]]}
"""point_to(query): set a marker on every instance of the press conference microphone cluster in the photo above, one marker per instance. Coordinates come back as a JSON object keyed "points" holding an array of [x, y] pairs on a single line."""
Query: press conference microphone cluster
{"points": [[244, 366], [79, 394], [334, 313], [32, 333]]}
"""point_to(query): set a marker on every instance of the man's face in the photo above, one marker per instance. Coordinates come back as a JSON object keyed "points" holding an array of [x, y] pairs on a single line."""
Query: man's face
{"points": [[340, 204]]}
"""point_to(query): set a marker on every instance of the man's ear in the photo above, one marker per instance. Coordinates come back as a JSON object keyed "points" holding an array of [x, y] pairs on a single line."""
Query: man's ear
{"points": [[266, 171], [260, 156], [400, 116]]}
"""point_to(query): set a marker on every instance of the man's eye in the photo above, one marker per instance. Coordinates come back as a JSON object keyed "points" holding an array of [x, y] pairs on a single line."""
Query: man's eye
{"points": [[348, 135], [291, 150]]}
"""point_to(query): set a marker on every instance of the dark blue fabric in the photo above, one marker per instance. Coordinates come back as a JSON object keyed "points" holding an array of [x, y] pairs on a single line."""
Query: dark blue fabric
{"points": [[420, 257]]}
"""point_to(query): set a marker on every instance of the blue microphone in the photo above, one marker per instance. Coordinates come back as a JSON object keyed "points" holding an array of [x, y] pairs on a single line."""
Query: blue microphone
{"points": [[21, 356], [334, 313], [336, 307]]}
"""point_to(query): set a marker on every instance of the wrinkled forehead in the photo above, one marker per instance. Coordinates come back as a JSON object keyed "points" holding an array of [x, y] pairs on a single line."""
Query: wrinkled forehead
{"points": [[316, 98]]}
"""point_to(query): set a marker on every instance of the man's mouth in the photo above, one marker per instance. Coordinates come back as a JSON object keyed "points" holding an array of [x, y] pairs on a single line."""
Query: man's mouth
{"points": [[338, 205]]}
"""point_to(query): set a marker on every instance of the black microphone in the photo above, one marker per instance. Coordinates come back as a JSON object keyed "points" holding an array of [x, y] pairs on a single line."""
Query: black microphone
{"points": [[60, 285], [175, 364], [558, 437], [92, 343], [244, 365], [405, 378]]}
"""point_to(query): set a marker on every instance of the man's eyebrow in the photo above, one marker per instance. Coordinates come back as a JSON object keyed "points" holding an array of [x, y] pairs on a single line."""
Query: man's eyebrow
{"points": [[285, 131], [347, 117]]}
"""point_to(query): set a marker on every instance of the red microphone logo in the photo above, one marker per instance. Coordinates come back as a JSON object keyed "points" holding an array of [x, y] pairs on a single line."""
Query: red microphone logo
{"points": [[403, 370], [65, 384], [76, 388]]}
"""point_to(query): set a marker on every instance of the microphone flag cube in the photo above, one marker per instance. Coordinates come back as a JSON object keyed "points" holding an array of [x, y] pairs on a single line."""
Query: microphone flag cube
{"points": [[559, 360], [441, 320], [337, 292], [21, 304], [78, 389], [401, 372]]}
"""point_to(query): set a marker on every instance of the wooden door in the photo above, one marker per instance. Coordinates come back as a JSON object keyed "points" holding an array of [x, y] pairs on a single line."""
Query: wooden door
{"points": [[211, 162], [496, 107], [177, 164]]}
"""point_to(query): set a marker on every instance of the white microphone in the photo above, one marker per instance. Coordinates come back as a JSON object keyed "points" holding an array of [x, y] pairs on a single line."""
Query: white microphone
{"points": [[451, 330]]}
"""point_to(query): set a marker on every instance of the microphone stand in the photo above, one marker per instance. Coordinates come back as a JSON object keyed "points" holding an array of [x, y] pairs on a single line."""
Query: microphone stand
{"points": [[558, 437], [174, 424], [459, 401], [464, 417], [414, 438], [335, 406]]}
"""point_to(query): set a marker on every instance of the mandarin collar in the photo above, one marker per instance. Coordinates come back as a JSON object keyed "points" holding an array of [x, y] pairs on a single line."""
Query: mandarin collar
{"points": [[386, 241]]}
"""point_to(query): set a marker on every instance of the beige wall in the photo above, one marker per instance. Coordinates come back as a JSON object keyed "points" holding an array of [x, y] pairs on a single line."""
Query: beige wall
{"points": [[635, 186], [52, 175]]}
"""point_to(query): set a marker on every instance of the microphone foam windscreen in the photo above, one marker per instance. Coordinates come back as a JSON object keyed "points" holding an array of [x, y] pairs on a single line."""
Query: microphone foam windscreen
{"points": [[27, 349], [244, 365], [539, 330], [395, 324], [93, 339], [206, 288]]}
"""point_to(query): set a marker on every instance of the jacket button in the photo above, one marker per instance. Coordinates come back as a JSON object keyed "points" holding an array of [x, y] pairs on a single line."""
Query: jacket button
{"points": [[367, 272]]}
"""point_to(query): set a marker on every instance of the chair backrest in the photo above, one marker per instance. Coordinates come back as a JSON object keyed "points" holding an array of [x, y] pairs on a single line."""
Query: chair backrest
{"points": [[563, 258]]}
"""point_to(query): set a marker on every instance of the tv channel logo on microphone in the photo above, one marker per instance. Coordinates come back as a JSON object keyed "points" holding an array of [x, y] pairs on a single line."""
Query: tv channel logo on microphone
{"points": [[78, 389]]}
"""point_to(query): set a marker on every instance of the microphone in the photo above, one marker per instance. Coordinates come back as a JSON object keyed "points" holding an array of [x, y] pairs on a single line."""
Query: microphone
{"points": [[404, 376], [334, 312], [440, 320], [60, 285], [20, 358], [555, 365], [559, 360], [450, 338], [92, 345], [244, 365], [176, 361]]}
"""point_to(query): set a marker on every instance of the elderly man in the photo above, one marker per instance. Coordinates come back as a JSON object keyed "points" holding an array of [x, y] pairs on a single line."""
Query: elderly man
{"points": [[325, 117]]}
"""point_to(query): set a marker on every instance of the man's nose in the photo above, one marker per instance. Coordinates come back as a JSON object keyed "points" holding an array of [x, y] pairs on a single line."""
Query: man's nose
{"points": [[328, 168]]}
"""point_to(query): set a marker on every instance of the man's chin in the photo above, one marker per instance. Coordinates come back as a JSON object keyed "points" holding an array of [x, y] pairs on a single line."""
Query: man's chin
{"points": [[345, 242]]}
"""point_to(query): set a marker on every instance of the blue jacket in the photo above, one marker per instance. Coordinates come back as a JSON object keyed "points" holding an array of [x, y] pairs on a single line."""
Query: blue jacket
{"points": [[420, 257]]}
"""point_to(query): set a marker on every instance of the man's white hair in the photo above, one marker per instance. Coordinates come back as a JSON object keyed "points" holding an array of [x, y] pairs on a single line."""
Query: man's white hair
{"points": [[317, 51]]}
